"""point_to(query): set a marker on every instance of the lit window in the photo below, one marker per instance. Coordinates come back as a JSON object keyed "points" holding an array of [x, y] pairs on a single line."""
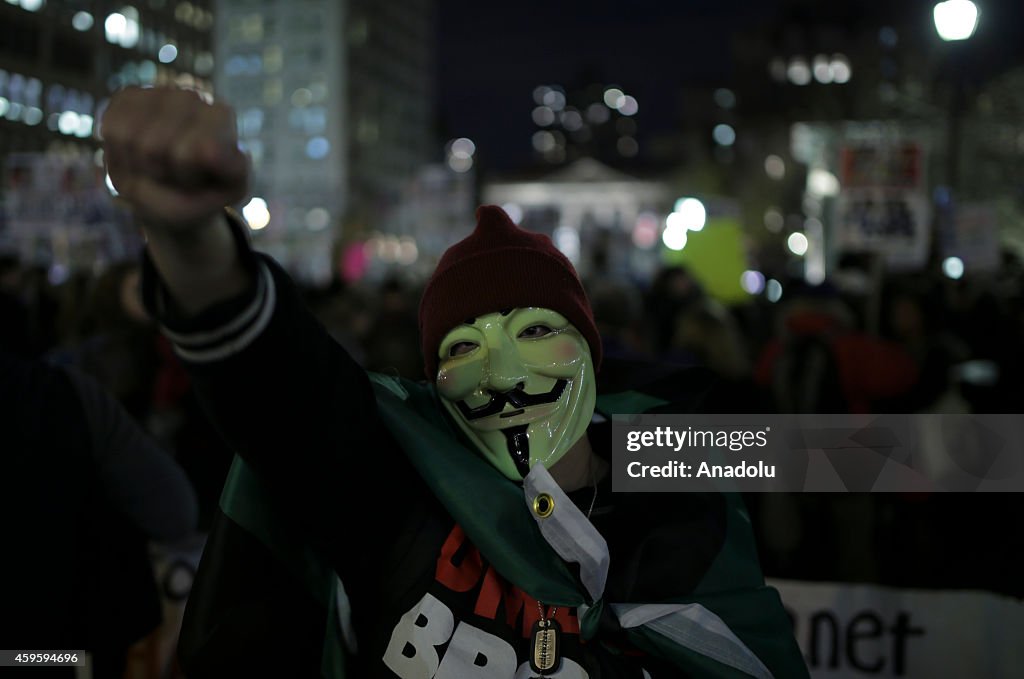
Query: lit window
{"points": [[236, 65], [254, 64], [147, 72], [33, 88], [252, 28], [204, 63], [85, 103], [318, 148], [15, 87], [250, 122], [315, 120], [183, 12], [253, 147], [55, 98], [273, 58], [272, 91]]}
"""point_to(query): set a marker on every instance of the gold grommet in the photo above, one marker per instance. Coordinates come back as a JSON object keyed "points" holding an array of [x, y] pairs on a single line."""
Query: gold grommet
{"points": [[543, 505]]}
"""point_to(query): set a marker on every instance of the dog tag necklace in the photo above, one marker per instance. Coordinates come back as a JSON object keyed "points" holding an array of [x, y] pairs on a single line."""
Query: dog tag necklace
{"points": [[546, 633], [547, 642]]}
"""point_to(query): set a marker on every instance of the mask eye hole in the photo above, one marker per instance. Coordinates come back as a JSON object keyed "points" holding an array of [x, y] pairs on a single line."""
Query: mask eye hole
{"points": [[461, 348], [535, 331]]}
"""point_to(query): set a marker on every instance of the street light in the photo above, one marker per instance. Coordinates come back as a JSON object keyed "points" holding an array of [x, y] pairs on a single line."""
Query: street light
{"points": [[955, 19]]}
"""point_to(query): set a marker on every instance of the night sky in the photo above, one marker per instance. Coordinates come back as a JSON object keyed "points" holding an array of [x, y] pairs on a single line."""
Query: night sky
{"points": [[492, 55]]}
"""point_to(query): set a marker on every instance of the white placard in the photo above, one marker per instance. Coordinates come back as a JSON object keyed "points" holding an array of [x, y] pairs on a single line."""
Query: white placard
{"points": [[849, 631]]}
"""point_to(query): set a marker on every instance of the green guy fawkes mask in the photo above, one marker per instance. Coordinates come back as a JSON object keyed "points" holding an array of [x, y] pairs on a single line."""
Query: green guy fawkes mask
{"points": [[520, 385]]}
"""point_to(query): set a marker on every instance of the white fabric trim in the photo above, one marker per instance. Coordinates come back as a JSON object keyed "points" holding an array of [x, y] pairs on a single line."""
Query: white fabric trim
{"points": [[344, 610], [696, 628], [229, 328], [568, 531], [236, 344]]}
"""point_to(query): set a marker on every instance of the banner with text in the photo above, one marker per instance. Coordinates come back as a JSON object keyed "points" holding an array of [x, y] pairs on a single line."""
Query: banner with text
{"points": [[883, 203], [852, 631]]}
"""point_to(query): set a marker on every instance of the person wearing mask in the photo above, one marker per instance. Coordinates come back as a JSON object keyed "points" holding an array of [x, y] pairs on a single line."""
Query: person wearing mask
{"points": [[469, 517]]}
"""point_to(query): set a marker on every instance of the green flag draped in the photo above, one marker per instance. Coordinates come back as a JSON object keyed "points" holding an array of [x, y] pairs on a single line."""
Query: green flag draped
{"points": [[731, 594]]}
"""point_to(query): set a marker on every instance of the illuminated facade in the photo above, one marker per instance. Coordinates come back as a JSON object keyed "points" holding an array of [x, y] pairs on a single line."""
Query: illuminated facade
{"points": [[335, 107], [61, 60], [594, 214], [59, 63]]}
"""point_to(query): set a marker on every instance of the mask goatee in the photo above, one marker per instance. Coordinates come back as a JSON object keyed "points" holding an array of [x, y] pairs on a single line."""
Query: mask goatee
{"points": [[518, 448]]}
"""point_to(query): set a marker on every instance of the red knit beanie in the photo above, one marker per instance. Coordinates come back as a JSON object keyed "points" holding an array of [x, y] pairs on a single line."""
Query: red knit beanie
{"points": [[500, 266]]}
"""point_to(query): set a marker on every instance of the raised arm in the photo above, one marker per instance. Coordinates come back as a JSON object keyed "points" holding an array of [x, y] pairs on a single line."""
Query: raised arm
{"points": [[175, 160], [283, 394]]}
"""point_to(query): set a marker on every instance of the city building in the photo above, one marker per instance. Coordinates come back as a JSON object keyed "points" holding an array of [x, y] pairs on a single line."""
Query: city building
{"points": [[335, 104], [594, 214], [59, 63]]}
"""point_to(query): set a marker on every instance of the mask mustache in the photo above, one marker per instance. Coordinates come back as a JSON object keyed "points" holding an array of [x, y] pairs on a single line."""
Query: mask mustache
{"points": [[516, 396]]}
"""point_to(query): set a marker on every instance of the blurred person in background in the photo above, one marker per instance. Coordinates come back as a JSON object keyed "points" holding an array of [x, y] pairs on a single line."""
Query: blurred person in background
{"points": [[84, 492], [976, 314], [619, 314], [118, 342], [673, 290], [820, 363], [440, 557], [916, 322], [118, 345], [28, 308], [14, 312], [347, 315], [391, 343], [706, 334]]}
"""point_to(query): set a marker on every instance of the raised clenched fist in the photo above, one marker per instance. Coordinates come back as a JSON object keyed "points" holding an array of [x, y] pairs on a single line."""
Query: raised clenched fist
{"points": [[172, 156]]}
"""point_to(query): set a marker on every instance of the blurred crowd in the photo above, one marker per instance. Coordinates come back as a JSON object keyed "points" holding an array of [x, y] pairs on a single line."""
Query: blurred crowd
{"points": [[915, 343], [96, 325], [918, 343], [905, 344]]}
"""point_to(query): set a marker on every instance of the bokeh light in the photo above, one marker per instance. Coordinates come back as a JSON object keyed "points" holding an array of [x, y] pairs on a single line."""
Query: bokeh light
{"points": [[167, 54], [612, 96], [82, 21], [953, 267], [752, 282], [256, 213], [724, 134], [955, 19], [691, 214], [797, 243], [775, 167]]}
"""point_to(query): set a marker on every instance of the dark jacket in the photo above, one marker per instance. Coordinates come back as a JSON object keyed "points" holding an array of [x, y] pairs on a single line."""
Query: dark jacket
{"points": [[83, 492]]}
